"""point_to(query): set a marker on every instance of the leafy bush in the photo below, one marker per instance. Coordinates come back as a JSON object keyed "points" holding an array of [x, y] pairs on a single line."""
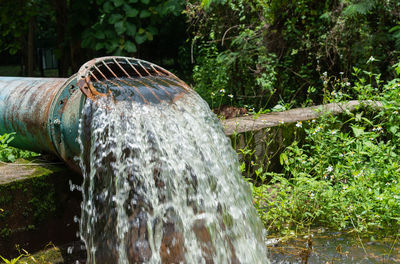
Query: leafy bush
{"points": [[124, 25], [240, 65], [10, 154], [345, 173]]}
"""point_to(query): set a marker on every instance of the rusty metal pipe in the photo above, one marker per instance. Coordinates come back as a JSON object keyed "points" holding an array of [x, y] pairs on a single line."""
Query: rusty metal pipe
{"points": [[44, 112]]}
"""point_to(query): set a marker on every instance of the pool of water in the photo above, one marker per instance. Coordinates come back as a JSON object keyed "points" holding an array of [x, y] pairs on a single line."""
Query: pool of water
{"points": [[333, 247], [319, 248]]}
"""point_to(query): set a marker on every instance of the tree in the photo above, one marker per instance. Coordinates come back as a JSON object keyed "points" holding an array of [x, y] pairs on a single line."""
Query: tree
{"points": [[284, 46], [123, 25], [17, 26], [81, 29]]}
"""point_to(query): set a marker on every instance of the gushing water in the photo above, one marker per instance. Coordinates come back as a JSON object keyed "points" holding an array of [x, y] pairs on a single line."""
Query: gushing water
{"points": [[162, 185]]}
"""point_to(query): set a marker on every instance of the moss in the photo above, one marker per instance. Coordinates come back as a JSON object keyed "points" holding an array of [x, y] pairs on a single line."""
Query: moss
{"points": [[34, 203], [3, 198], [42, 203], [52, 255], [31, 197]]}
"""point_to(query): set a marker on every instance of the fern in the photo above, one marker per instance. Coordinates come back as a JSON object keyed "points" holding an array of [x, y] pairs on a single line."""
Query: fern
{"points": [[362, 7]]}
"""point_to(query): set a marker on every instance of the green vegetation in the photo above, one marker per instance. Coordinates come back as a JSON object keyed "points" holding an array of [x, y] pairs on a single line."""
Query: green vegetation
{"points": [[344, 173], [77, 31], [11, 261], [50, 255], [40, 199], [11, 154], [121, 26], [341, 172], [272, 53]]}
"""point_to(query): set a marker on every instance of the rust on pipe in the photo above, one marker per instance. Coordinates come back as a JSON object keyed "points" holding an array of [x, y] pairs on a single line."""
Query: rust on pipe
{"points": [[44, 113], [129, 76], [25, 105]]}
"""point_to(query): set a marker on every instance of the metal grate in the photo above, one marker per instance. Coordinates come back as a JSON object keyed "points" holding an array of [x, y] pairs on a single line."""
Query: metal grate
{"points": [[125, 78]]}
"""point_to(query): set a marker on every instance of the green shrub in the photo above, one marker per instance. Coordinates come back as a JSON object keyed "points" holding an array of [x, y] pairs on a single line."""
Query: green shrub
{"points": [[345, 173], [10, 154]]}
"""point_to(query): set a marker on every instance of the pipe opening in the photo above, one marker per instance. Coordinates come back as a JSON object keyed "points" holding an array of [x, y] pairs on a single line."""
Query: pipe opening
{"points": [[129, 79]]}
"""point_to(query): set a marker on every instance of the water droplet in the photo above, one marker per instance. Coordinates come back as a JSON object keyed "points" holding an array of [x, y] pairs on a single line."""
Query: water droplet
{"points": [[76, 219], [70, 249]]}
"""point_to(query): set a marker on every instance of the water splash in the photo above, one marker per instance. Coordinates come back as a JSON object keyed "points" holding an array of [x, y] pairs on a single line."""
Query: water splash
{"points": [[162, 185]]}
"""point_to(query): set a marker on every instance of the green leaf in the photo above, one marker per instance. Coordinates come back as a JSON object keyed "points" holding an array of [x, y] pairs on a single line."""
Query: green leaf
{"points": [[326, 15], [369, 144], [131, 12], [358, 116], [394, 129], [205, 4], [119, 27], [358, 131], [130, 29], [13, 261], [130, 46], [114, 18], [397, 67], [367, 121], [117, 52], [149, 36], [3, 138], [108, 7], [99, 46], [86, 42], [283, 159], [110, 34], [13, 51], [132, 1], [10, 138], [140, 39], [242, 167], [152, 30], [145, 13], [99, 34], [112, 47], [145, 1], [11, 158], [118, 3], [5, 260], [395, 28]]}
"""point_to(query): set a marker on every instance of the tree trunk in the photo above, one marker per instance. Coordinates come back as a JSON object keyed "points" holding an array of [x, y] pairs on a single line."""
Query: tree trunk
{"points": [[31, 47]]}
